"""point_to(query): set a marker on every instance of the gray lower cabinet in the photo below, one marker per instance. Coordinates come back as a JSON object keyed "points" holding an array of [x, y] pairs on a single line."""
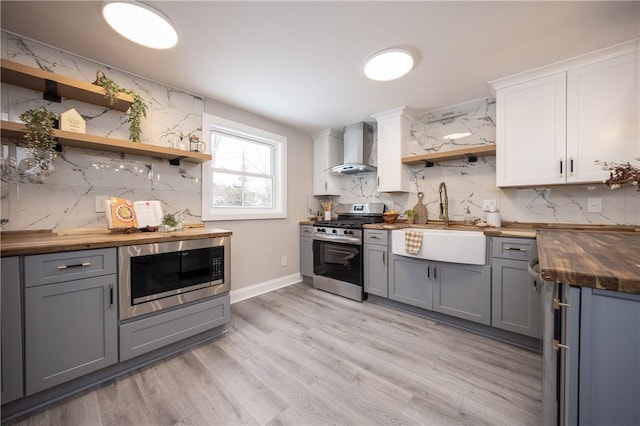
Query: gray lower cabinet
{"points": [[516, 297], [408, 282], [609, 378], [376, 265], [462, 291], [71, 321], [145, 335], [306, 253], [12, 379]]}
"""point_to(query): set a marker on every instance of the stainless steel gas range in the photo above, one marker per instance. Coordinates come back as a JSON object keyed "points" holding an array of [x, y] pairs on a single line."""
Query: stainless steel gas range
{"points": [[337, 249]]}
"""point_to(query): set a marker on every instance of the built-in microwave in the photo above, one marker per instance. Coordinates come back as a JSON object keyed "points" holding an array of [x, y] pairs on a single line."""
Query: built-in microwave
{"points": [[158, 276]]}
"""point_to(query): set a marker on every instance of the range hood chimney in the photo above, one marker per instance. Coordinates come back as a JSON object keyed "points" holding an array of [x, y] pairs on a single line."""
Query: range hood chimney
{"points": [[358, 150]]}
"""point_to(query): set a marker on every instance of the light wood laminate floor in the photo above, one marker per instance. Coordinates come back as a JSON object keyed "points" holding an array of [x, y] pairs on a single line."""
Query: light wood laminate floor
{"points": [[300, 356]]}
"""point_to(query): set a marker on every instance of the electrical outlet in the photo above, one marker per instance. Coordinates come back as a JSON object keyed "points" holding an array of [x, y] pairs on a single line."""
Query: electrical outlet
{"points": [[99, 207], [284, 261], [594, 205], [489, 205]]}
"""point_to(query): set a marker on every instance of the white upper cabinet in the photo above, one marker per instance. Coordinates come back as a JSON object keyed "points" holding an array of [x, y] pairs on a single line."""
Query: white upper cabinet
{"points": [[530, 132], [327, 152], [394, 131], [555, 122], [603, 116]]}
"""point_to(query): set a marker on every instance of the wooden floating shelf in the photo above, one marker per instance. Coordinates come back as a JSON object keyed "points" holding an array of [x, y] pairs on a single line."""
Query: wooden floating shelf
{"points": [[48, 82], [470, 153], [13, 130]]}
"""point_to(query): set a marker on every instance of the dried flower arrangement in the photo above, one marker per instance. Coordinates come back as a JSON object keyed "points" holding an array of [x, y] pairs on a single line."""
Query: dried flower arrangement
{"points": [[621, 173]]}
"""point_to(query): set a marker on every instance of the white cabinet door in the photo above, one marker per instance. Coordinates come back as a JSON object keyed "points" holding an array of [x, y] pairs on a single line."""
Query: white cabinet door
{"points": [[327, 152], [530, 132], [603, 116], [394, 130]]}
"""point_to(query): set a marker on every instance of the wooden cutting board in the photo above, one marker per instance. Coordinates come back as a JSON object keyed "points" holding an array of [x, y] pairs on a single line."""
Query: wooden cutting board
{"points": [[421, 210]]}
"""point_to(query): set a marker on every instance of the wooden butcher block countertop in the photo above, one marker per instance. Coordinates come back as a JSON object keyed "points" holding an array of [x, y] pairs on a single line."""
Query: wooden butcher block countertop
{"points": [[14, 243], [598, 259]]}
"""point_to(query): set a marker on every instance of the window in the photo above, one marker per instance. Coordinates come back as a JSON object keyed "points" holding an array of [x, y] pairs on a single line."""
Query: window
{"points": [[246, 177]]}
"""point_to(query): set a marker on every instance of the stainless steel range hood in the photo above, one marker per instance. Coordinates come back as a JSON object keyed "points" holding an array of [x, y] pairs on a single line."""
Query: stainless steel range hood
{"points": [[358, 150]]}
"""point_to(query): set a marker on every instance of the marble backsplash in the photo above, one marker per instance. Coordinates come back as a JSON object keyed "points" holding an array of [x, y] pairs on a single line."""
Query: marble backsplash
{"points": [[66, 198], [468, 184]]}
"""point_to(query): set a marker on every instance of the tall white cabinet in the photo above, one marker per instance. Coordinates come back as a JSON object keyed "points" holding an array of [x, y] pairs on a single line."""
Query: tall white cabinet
{"points": [[327, 152], [554, 123], [394, 131]]}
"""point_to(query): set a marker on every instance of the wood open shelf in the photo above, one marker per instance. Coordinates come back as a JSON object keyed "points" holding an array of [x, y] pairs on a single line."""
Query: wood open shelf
{"points": [[48, 82], [10, 129], [470, 153]]}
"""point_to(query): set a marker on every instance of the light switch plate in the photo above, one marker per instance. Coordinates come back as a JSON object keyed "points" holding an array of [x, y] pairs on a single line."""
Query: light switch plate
{"points": [[594, 205]]}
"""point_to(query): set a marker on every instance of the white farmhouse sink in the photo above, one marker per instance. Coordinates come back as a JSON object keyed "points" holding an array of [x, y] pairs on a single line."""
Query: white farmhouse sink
{"points": [[445, 245]]}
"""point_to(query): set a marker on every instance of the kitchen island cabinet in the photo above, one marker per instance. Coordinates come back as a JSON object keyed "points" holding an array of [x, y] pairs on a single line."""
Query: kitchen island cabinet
{"points": [[12, 377], [598, 345], [376, 255], [71, 322]]}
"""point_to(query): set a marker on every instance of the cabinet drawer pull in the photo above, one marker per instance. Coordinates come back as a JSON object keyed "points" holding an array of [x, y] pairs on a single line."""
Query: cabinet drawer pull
{"points": [[524, 250], [557, 345], [374, 237], [557, 304], [384, 258], [111, 306], [77, 265]]}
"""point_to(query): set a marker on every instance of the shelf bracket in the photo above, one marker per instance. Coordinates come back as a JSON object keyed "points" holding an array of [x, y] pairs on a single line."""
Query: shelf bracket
{"points": [[175, 161], [428, 163], [51, 91], [472, 158]]}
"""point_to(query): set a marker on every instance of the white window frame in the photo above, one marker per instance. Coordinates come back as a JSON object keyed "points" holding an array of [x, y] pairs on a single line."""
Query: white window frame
{"points": [[279, 209]]}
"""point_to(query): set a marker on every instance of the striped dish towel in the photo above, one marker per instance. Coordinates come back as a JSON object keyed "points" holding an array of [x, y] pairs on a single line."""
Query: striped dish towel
{"points": [[412, 241]]}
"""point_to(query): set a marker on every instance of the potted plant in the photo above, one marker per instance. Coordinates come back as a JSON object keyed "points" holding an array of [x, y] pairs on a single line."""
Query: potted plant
{"points": [[411, 216], [136, 112], [39, 124]]}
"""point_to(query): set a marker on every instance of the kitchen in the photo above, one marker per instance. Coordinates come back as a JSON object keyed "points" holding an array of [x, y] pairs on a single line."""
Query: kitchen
{"points": [[69, 192]]}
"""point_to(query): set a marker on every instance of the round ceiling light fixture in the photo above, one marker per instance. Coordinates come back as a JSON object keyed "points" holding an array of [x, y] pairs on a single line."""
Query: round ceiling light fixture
{"points": [[389, 64], [140, 23]]}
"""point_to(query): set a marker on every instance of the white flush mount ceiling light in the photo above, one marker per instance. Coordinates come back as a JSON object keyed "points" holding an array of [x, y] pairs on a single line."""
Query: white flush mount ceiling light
{"points": [[140, 23], [388, 64]]}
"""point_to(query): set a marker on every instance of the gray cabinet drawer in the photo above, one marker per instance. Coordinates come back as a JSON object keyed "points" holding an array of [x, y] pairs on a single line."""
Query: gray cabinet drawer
{"points": [[74, 265], [514, 248], [375, 236], [145, 335], [306, 230]]}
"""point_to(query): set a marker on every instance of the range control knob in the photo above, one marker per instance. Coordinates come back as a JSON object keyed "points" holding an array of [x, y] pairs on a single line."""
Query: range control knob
{"points": [[334, 231]]}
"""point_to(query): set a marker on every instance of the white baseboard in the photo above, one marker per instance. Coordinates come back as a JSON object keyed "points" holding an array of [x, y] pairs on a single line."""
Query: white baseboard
{"points": [[265, 287]]}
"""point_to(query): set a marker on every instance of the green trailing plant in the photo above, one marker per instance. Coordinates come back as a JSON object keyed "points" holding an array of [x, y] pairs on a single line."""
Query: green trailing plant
{"points": [[41, 142], [136, 112]]}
